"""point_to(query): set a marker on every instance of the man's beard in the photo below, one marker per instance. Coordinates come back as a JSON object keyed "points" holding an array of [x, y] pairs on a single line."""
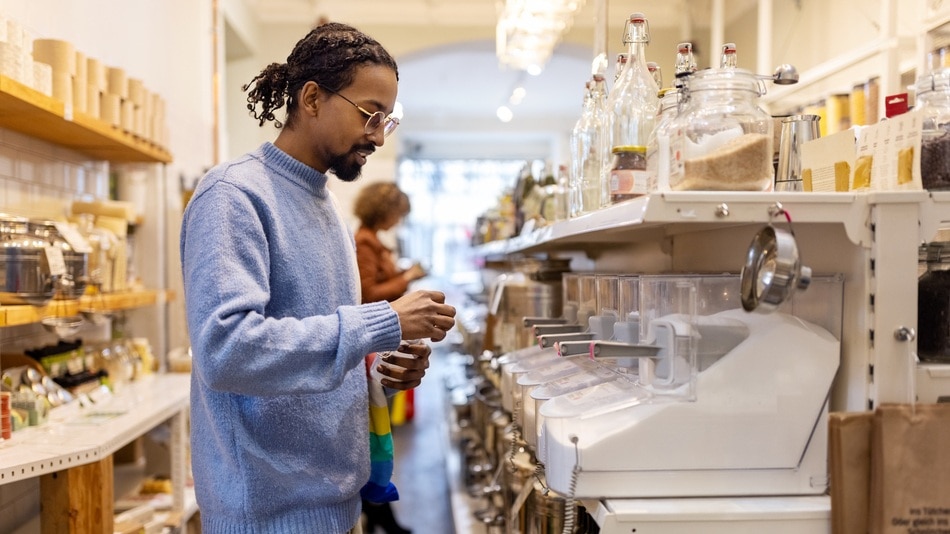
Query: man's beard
{"points": [[344, 168]]}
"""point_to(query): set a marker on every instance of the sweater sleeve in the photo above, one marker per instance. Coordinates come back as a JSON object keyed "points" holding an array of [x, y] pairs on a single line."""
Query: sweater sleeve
{"points": [[379, 278], [240, 346]]}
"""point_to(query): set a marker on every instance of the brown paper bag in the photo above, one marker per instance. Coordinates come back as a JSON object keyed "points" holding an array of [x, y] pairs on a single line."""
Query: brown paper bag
{"points": [[910, 469], [849, 464]]}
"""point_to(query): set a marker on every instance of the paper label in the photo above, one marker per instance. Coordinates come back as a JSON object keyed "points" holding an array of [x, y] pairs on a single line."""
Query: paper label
{"points": [[57, 264], [922, 520], [888, 155], [72, 236], [629, 182]]}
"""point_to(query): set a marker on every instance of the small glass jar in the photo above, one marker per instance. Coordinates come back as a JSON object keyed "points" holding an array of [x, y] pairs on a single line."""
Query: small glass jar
{"points": [[933, 101], [933, 305], [722, 135], [628, 173]]}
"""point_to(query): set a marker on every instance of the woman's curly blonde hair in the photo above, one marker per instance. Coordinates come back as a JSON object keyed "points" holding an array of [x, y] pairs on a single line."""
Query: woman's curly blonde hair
{"points": [[378, 201]]}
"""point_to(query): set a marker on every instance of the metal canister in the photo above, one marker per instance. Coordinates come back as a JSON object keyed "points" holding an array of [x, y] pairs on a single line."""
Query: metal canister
{"points": [[24, 276], [72, 284], [796, 131], [551, 512]]}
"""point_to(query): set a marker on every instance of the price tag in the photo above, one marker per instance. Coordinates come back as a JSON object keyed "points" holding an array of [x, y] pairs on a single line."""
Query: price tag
{"points": [[76, 240], [57, 264]]}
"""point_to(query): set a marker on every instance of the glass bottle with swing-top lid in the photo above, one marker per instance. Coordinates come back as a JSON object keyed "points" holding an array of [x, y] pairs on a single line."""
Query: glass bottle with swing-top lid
{"points": [[632, 106]]}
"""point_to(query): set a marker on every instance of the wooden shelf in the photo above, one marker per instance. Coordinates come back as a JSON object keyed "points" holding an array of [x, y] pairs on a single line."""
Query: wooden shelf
{"points": [[28, 111], [26, 314], [76, 474]]}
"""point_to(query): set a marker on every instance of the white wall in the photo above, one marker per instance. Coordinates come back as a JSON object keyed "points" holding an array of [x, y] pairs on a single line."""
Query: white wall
{"points": [[168, 45]]}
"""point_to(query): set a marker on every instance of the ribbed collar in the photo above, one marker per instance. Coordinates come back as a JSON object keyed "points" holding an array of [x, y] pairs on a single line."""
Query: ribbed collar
{"points": [[292, 169]]}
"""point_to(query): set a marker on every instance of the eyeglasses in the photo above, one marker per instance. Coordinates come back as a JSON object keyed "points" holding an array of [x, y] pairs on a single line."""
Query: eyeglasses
{"points": [[373, 120]]}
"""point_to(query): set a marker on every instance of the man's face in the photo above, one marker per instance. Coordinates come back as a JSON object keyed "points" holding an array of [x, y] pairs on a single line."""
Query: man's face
{"points": [[347, 144]]}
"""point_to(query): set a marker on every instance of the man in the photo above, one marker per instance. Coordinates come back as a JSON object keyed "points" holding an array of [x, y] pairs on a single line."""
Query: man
{"points": [[279, 395]]}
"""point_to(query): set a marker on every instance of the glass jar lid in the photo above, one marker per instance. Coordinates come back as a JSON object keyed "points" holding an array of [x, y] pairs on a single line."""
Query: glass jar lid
{"points": [[730, 79], [626, 149]]}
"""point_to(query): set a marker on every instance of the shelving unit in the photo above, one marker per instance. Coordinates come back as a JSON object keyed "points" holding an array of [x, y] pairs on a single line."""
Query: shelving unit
{"points": [[72, 454], [28, 111], [870, 238], [111, 302]]}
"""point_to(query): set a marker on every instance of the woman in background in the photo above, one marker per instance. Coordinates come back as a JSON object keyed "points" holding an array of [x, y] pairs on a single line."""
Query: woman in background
{"points": [[379, 207]]}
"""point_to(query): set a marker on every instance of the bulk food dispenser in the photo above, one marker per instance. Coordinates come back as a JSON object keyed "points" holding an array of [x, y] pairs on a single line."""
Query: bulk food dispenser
{"points": [[723, 405]]}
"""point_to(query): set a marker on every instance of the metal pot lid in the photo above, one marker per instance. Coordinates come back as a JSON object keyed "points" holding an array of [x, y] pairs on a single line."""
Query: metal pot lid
{"points": [[772, 270]]}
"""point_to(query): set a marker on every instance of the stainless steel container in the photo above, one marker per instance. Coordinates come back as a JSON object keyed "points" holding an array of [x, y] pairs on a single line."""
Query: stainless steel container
{"points": [[24, 276], [796, 131], [73, 284], [533, 289], [550, 512]]}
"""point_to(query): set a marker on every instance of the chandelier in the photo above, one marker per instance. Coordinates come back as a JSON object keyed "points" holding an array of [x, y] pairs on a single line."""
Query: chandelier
{"points": [[528, 31]]}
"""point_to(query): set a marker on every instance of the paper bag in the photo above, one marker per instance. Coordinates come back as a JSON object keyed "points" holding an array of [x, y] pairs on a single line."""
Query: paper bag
{"points": [[910, 469], [849, 463]]}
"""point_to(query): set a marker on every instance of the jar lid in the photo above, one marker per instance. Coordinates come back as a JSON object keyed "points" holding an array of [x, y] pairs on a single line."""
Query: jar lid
{"points": [[938, 80], [629, 149], [726, 79]]}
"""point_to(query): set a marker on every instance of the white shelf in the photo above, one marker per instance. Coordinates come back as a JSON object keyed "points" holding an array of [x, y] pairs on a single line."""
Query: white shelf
{"points": [[63, 443], [674, 212]]}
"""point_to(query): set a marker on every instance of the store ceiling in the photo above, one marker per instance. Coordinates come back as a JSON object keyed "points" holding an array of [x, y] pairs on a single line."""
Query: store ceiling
{"points": [[451, 94]]}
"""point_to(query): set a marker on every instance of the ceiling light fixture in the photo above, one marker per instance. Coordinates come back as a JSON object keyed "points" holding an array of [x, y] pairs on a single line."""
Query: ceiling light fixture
{"points": [[528, 31]]}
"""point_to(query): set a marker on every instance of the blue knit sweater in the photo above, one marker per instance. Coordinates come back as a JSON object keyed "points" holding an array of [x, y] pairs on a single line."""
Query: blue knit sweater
{"points": [[279, 429]]}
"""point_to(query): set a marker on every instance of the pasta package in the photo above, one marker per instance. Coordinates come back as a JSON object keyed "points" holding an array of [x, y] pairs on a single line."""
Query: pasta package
{"points": [[891, 151]]}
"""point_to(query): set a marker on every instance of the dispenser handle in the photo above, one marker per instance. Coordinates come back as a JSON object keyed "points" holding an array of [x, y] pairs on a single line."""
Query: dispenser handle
{"points": [[548, 329], [531, 321], [550, 340], [599, 350]]}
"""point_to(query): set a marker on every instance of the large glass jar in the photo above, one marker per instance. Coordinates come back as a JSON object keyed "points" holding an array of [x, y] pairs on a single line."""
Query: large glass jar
{"points": [[721, 138], [933, 305], [933, 101]]}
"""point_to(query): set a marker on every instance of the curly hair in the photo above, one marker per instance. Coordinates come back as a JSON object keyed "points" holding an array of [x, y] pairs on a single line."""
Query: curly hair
{"points": [[328, 55], [378, 201]]}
